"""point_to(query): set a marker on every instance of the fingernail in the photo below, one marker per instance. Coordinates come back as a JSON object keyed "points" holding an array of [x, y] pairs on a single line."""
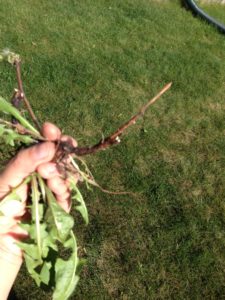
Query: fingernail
{"points": [[41, 151]]}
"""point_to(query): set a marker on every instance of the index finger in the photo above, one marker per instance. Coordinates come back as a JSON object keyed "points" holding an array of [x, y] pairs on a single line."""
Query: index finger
{"points": [[51, 132]]}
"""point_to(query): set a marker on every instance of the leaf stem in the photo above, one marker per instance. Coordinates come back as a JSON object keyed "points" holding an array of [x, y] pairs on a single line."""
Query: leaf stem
{"points": [[22, 130], [22, 94], [35, 215]]}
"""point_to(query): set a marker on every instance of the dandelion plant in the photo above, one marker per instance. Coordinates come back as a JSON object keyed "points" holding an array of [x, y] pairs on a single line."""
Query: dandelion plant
{"points": [[50, 228]]}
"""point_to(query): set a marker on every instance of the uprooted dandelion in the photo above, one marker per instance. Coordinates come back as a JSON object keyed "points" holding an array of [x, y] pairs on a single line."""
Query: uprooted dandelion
{"points": [[49, 224]]}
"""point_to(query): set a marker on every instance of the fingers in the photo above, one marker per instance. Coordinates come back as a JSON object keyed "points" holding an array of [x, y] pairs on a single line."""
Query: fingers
{"points": [[23, 164], [61, 190], [49, 171], [51, 132], [58, 186], [69, 139], [27, 161], [38, 158], [65, 203]]}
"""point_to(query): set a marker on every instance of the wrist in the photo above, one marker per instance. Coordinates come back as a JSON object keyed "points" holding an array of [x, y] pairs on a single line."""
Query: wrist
{"points": [[9, 267], [10, 257]]}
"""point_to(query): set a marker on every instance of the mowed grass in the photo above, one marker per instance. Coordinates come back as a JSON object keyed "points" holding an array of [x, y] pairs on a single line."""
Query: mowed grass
{"points": [[88, 66]]}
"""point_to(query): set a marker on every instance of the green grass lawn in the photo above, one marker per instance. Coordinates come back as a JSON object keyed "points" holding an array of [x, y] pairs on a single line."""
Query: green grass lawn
{"points": [[88, 66]]}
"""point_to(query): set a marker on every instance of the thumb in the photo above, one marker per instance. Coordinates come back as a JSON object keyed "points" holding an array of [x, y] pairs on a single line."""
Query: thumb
{"points": [[23, 164]]}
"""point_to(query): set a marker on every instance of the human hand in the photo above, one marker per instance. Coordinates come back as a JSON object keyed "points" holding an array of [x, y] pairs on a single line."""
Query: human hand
{"points": [[37, 158]]}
